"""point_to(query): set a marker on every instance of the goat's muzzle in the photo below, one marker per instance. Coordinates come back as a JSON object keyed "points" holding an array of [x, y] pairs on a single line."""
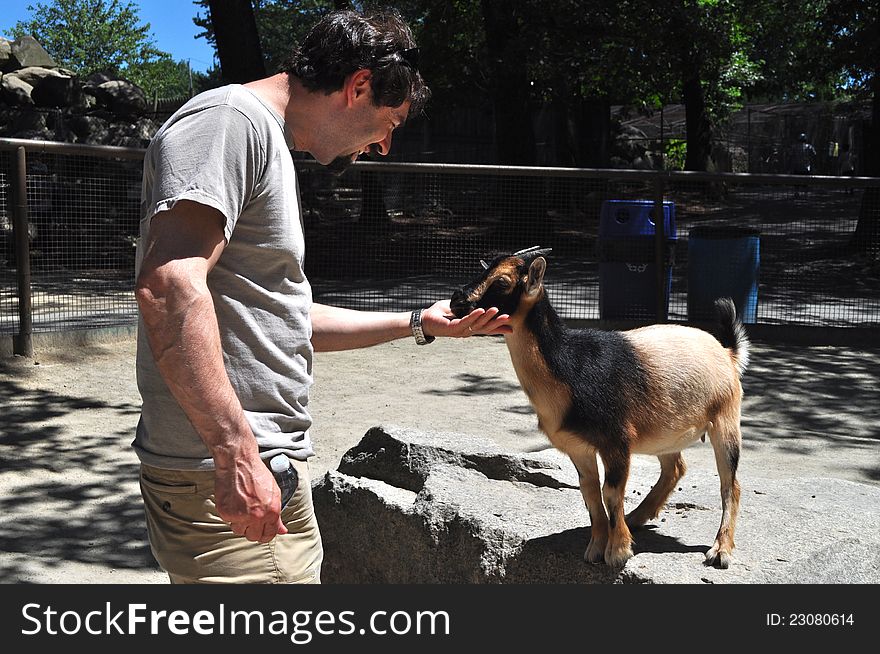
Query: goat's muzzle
{"points": [[460, 304]]}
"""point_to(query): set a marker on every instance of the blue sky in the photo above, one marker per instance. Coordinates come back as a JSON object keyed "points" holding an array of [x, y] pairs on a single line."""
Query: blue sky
{"points": [[170, 22]]}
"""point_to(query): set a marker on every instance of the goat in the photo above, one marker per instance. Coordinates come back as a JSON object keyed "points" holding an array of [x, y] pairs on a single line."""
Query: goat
{"points": [[650, 390]]}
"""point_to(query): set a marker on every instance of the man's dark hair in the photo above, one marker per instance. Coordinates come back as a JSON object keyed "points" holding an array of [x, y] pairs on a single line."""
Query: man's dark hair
{"points": [[343, 42]]}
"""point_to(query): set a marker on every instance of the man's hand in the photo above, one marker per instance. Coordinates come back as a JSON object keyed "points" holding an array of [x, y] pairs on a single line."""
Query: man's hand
{"points": [[438, 320], [248, 498]]}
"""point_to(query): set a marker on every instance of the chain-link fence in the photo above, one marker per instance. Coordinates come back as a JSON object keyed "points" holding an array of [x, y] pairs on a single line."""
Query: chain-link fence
{"points": [[385, 235], [795, 251], [758, 138], [82, 211]]}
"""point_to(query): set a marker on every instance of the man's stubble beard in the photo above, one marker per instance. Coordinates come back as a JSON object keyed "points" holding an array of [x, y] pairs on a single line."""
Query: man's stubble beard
{"points": [[339, 165]]}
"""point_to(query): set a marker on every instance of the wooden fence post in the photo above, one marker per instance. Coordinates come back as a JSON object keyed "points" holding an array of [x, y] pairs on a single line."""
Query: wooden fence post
{"points": [[23, 342]]}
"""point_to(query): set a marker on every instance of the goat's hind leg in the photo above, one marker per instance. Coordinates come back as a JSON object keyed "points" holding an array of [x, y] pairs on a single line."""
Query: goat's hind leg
{"points": [[726, 439], [672, 469], [588, 478]]}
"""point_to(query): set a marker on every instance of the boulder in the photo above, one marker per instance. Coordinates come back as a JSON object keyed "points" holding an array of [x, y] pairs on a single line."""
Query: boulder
{"points": [[24, 122], [35, 74], [26, 51], [44, 87], [437, 507], [121, 97], [55, 90], [15, 90], [6, 61]]}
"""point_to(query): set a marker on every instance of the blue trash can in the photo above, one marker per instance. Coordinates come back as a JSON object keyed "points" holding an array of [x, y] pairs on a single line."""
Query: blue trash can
{"points": [[627, 260], [723, 262]]}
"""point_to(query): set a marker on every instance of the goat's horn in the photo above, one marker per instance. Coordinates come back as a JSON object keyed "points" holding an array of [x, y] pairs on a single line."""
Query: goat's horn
{"points": [[484, 264], [531, 249]]}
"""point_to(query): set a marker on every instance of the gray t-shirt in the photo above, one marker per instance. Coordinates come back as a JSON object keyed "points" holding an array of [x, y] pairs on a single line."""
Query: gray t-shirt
{"points": [[226, 149]]}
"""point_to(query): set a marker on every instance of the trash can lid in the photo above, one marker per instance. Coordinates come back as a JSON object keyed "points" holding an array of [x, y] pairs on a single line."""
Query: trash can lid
{"points": [[626, 218], [722, 232]]}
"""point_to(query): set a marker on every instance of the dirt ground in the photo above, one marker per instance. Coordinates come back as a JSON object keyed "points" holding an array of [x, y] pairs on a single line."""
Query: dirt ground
{"points": [[69, 505]]}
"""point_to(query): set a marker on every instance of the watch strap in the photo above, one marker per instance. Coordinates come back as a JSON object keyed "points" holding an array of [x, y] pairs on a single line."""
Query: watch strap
{"points": [[415, 324]]}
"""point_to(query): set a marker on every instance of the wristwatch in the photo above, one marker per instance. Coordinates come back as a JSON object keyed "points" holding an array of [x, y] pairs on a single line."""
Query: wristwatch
{"points": [[415, 324]]}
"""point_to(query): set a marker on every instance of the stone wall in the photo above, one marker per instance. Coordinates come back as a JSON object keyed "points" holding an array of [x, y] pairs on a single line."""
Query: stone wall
{"points": [[41, 100]]}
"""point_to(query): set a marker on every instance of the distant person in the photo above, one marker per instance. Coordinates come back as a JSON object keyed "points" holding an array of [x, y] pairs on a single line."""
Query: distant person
{"points": [[803, 156], [848, 164]]}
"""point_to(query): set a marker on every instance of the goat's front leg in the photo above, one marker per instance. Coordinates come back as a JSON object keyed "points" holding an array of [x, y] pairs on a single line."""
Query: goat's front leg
{"points": [[619, 548], [588, 478]]}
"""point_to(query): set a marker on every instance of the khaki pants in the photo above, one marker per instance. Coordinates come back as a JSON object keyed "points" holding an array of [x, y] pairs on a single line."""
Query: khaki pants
{"points": [[193, 545]]}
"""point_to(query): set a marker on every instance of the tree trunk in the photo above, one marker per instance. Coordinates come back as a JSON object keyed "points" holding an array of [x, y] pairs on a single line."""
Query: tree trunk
{"points": [[866, 238], [699, 131], [238, 44], [514, 136], [373, 210], [565, 134], [594, 132], [515, 198]]}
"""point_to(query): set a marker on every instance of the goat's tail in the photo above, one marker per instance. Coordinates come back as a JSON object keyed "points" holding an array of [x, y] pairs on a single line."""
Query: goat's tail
{"points": [[733, 334]]}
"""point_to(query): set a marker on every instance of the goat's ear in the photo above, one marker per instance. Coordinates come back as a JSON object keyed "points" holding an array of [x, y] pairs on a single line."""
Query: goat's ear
{"points": [[536, 275]]}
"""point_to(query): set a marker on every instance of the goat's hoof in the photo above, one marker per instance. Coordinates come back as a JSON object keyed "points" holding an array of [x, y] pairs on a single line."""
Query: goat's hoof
{"points": [[595, 552], [617, 558], [720, 556], [635, 520]]}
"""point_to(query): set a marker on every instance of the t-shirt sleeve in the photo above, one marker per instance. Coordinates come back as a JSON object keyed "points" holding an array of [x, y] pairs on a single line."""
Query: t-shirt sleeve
{"points": [[212, 156]]}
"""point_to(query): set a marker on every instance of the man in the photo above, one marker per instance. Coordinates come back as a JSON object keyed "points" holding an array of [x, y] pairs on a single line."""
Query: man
{"points": [[227, 324], [803, 154]]}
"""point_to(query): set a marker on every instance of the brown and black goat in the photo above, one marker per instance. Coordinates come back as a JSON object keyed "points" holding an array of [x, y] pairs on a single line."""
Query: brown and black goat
{"points": [[651, 390]]}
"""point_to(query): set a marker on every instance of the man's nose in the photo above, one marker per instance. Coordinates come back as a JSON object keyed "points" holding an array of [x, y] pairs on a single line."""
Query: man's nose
{"points": [[383, 147]]}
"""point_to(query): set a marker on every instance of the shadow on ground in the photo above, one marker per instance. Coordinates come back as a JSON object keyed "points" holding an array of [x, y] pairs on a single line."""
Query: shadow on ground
{"points": [[70, 494]]}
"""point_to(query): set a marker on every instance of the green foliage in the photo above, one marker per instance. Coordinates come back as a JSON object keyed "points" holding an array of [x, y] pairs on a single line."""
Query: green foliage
{"points": [[454, 59], [675, 154], [594, 49], [165, 77], [809, 50], [89, 36], [631, 51], [854, 28], [280, 24]]}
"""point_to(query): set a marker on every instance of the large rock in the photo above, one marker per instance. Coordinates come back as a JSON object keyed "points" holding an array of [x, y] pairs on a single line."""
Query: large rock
{"points": [[44, 87], [24, 123], [51, 87], [6, 61], [26, 51], [121, 97], [33, 75], [413, 507], [15, 91]]}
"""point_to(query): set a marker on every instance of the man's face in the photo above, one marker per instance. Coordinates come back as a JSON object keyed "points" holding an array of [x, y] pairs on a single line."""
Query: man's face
{"points": [[365, 128]]}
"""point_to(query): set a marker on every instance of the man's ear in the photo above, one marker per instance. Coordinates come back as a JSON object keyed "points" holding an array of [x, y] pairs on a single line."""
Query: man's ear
{"points": [[358, 85]]}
